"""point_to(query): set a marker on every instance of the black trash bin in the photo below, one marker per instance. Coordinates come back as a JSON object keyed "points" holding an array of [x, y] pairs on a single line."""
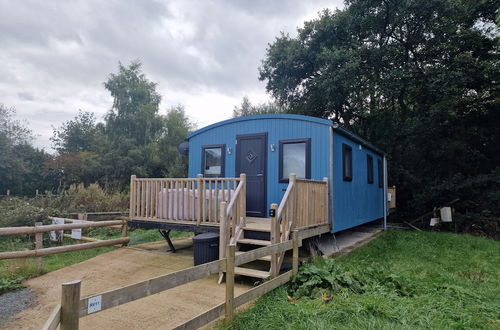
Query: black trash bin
{"points": [[206, 248]]}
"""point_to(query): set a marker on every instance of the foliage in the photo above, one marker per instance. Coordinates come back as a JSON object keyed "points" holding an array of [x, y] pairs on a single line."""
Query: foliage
{"points": [[402, 280], [10, 284], [22, 212], [417, 79], [247, 108], [134, 139], [134, 114], [21, 165], [77, 135]]}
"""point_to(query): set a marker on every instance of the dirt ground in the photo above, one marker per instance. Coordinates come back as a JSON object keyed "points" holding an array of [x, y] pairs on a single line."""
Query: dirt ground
{"points": [[122, 267]]}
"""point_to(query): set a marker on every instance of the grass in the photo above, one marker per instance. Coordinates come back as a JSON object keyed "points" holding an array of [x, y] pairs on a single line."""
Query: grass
{"points": [[14, 271], [402, 280]]}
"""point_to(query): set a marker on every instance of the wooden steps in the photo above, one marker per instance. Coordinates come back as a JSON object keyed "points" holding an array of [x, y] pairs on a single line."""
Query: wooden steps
{"points": [[254, 241], [251, 272], [264, 258], [262, 225]]}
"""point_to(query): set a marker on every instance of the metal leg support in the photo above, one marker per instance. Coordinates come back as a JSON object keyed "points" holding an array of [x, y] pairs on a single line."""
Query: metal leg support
{"points": [[166, 236]]}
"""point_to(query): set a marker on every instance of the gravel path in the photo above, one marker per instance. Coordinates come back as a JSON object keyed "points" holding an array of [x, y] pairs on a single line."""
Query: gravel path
{"points": [[14, 302]]}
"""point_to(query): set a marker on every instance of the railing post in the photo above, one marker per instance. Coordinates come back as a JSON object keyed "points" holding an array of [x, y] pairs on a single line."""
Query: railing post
{"points": [[230, 283], [275, 238], [243, 198], [295, 261], [70, 305], [223, 230], [201, 198], [326, 201], [292, 180], [39, 245], [132, 206]]}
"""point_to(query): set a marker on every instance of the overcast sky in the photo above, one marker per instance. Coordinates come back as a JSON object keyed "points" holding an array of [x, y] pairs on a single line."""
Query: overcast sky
{"points": [[204, 55]]}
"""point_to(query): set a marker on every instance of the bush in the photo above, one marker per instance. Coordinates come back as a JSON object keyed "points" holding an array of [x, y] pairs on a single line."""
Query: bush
{"points": [[92, 198]]}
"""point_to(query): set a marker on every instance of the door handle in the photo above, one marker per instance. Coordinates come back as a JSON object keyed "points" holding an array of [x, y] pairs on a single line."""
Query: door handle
{"points": [[260, 174]]}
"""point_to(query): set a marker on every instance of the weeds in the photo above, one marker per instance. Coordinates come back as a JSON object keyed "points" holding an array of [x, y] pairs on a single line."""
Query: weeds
{"points": [[402, 280]]}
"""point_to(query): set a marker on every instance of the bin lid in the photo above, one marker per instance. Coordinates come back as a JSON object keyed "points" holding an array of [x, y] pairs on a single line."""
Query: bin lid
{"points": [[206, 237]]}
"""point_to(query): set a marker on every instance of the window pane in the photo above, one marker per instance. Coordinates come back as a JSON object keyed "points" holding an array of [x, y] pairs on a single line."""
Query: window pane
{"points": [[369, 164], [294, 160], [347, 162], [213, 161]]}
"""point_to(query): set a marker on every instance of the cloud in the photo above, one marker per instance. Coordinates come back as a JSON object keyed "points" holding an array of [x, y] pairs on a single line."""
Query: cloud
{"points": [[205, 55]]}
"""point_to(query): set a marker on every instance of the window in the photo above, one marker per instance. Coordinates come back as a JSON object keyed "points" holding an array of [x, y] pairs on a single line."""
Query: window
{"points": [[347, 162], [212, 160], [380, 173], [369, 167], [295, 157]]}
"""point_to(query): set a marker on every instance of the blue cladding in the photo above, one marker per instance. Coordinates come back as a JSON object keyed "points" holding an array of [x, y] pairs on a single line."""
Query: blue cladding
{"points": [[354, 203], [290, 127]]}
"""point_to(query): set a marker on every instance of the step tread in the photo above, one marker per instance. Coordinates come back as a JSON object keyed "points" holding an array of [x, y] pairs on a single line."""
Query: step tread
{"points": [[264, 258], [265, 230], [253, 241], [251, 272]]}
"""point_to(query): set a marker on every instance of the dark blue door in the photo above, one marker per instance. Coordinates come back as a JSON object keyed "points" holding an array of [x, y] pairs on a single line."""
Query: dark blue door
{"points": [[251, 159]]}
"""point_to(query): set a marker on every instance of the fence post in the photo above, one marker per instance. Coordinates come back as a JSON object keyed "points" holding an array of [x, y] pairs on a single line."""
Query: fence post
{"points": [[229, 283], [133, 200], [125, 230], [275, 238], [70, 305], [39, 245], [295, 261]]}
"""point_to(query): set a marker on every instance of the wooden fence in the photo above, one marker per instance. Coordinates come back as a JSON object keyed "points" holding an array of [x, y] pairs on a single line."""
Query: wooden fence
{"points": [[72, 307], [180, 199], [39, 229]]}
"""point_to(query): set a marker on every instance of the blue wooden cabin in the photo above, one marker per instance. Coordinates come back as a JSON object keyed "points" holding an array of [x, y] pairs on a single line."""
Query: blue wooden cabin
{"points": [[267, 148]]}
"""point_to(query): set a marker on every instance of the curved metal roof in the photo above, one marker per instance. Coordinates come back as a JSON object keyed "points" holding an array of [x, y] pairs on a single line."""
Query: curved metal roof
{"points": [[257, 117], [337, 127]]}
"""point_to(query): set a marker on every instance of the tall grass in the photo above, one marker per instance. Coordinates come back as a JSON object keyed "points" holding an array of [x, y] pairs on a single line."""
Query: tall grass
{"points": [[402, 280]]}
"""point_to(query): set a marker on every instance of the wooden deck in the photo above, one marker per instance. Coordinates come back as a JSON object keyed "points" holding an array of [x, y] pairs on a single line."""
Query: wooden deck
{"points": [[219, 204]]}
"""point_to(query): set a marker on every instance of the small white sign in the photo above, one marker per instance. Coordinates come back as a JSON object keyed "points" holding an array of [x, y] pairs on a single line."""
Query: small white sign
{"points": [[57, 235], [76, 233], [94, 304]]}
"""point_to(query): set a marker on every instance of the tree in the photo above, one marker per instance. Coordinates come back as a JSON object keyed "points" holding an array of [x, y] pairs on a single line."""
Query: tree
{"points": [[419, 79], [21, 165], [247, 108], [77, 135], [134, 113]]}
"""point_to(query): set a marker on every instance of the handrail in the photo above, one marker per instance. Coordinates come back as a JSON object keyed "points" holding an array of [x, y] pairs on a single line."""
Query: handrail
{"points": [[232, 217]]}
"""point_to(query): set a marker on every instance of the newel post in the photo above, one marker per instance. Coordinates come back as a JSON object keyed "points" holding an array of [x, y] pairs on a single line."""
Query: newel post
{"points": [[243, 198], [70, 305], [295, 260], [223, 241], [275, 237], [132, 197]]}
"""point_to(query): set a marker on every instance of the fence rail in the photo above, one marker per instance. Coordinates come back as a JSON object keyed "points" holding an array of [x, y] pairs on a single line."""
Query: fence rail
{"points": [[39, 229], [71, 310]]}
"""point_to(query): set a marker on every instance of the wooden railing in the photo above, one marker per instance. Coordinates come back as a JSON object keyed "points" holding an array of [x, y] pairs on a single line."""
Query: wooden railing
{"points": [[304, 204], [233, 217], [194, 200], [39, 229]]}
